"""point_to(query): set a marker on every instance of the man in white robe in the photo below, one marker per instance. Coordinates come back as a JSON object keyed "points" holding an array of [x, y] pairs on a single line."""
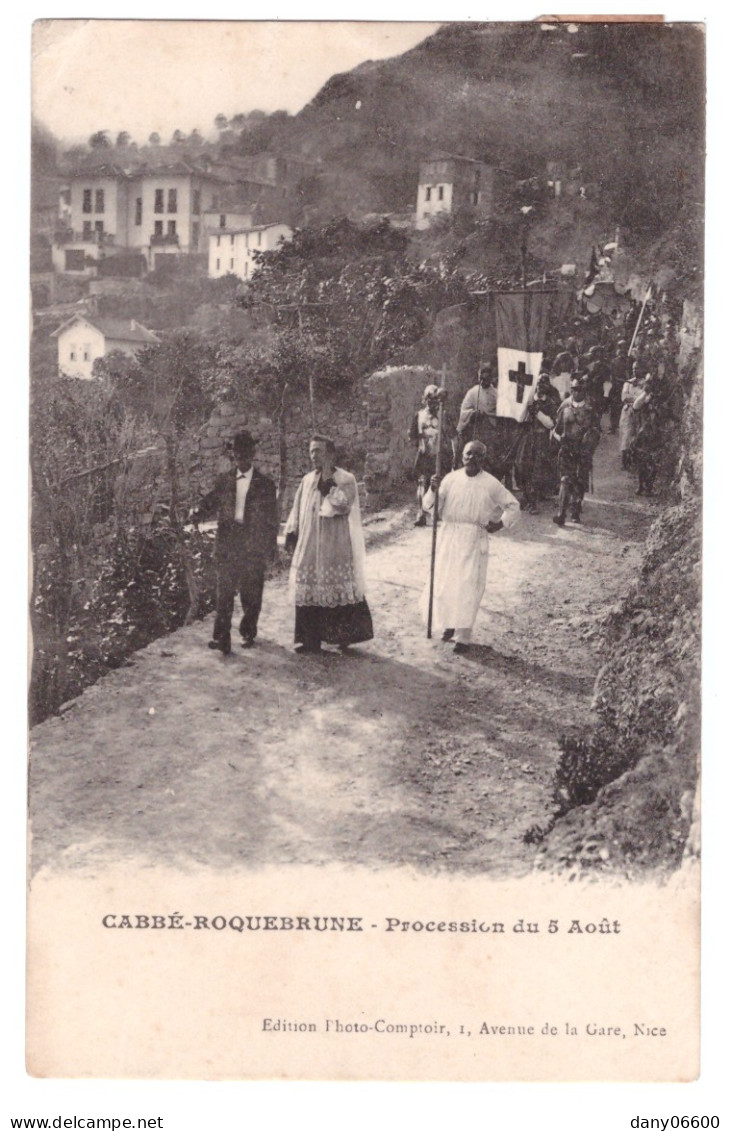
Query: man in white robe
{"points": [[480, 400], [472, 505]]}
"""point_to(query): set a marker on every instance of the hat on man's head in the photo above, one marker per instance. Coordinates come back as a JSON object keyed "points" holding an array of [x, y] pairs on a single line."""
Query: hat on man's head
{"points": [[431, 391], [244, 442]]}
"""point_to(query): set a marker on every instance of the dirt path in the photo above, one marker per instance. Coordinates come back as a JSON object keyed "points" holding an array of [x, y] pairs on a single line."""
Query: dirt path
{"points": [[396, 753]]}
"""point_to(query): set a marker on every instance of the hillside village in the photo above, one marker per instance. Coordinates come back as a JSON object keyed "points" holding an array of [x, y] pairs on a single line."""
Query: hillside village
{"points": [[312, 273], [120, 220]]}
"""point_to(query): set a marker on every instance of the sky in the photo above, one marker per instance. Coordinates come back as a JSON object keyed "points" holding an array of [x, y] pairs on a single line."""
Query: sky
{"points": [[156, 75]]}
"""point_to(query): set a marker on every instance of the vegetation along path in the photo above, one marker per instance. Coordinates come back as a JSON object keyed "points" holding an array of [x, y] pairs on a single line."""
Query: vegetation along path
{"points": [[397, 752]]}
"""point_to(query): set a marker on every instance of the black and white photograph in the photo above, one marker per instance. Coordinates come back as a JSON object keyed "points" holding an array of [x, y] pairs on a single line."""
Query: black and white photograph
{"points": [[366, 483]]}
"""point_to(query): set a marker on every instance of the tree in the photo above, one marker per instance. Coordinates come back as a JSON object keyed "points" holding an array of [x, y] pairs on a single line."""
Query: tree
{"points": [[221, 122], [269, 372], [356, 293], [279, 117], [44, 152], [100, 140], [310, 188], [164, 385], [81, 438], [342, 300], [74, 154], [257, 138]]}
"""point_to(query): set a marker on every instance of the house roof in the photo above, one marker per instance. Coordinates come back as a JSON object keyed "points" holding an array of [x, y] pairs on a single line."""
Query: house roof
{"points": [[124, 330], [180, 168], [119, 329], [245, 231], [443, 155], [113, 171], [98, 169]]}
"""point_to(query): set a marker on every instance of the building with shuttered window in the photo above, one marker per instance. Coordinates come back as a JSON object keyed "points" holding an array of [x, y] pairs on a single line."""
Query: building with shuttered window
{"points": [[84, 338], [155, 211]]}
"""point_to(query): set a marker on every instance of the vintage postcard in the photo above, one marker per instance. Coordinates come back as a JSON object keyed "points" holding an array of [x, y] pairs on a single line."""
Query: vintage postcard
{"points": [[366, 466]]}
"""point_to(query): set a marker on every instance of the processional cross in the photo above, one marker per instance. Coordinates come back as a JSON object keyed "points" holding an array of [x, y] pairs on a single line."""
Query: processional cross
{"points": [[520, 378]]}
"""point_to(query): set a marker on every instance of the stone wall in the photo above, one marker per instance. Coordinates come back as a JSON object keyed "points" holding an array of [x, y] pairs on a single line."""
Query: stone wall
{"points": [[461, 338], [370, 426], [342, 419], [393, 395]]}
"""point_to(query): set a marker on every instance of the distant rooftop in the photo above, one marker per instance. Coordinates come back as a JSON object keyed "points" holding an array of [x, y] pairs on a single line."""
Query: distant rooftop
{"points": [[444, 156], [133, 171], [120, 329], [254, 228]]}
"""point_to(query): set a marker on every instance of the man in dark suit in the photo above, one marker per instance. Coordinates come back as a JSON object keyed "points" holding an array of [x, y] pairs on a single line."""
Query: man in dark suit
{"points": [[245, 503]]}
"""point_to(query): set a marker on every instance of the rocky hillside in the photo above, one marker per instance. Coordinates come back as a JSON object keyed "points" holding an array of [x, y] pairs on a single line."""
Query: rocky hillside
{"points": [[626, 790], [619, 106], [624, 102]]}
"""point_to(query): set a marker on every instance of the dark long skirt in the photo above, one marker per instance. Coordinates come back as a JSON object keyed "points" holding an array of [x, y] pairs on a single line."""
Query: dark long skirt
{"points": [[343, 624], [535, 465]]}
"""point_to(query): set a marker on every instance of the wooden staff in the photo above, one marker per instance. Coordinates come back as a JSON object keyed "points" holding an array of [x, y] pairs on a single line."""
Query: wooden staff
{"points": [[642, 311], [435, 512]]}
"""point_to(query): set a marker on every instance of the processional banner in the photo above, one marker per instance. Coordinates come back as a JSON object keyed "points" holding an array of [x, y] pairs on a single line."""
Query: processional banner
{"points": [[522, 322]]}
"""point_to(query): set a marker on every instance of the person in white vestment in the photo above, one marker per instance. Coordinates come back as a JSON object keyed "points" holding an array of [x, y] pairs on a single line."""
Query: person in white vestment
{"points": [[477, 420], [472, 505], [325, 536], [628, 419]]}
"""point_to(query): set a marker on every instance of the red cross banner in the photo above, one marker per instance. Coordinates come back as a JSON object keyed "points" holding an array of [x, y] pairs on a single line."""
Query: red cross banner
{"points": [[522, 323]]}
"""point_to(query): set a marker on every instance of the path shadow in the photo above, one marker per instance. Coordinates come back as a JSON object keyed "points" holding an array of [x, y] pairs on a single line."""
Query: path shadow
{"points": [[626, 522], [525, 672], [598, 518]]}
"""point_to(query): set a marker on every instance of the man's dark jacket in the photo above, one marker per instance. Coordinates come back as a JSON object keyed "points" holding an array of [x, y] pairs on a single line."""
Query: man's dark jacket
{"points": [[258, 539]]}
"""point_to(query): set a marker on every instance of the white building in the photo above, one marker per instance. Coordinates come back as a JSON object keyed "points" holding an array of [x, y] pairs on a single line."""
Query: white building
{"points": [[84, 338], [450, 185], [153, 210], [221, 218], [231, 250]]}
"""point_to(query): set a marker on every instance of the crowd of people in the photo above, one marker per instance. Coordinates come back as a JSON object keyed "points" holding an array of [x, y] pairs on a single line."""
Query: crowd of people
{"points": [[591, 374], [468, 479], [632, 380]]}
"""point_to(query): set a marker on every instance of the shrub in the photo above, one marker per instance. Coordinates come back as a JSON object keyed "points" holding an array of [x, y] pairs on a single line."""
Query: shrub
{"points": [[135, 591], [586, 763]]}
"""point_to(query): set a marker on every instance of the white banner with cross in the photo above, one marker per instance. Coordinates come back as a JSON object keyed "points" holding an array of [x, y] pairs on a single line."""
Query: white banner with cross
{"points": [[518, 373]]}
